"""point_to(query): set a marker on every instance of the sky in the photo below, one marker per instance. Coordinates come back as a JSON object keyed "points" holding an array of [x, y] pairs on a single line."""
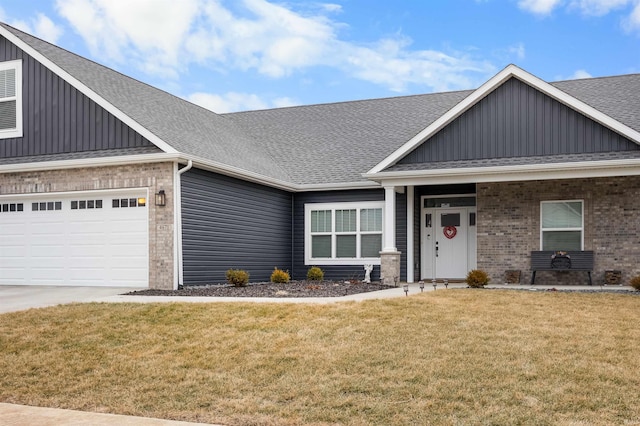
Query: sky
{"points": [[241, 55]]}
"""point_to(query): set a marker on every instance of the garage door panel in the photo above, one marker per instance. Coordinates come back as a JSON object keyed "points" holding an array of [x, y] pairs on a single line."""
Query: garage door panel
{"points": [[49, 243]]}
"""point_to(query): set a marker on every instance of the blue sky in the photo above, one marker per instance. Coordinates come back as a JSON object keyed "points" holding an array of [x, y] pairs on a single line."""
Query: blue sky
{"points": [[255, 54]]}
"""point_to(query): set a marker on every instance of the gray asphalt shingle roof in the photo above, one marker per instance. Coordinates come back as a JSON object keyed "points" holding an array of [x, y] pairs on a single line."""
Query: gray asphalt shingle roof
{"points": [[316, 144]]}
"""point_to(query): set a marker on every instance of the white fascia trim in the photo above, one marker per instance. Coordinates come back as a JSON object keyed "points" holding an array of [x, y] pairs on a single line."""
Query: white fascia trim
{"points": [[88, 92], [88, 162], [488, 87], [574, 170]]}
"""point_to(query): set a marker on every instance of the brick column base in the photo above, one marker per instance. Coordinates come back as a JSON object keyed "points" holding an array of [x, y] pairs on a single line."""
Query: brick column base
{"points": [[390, 267]]}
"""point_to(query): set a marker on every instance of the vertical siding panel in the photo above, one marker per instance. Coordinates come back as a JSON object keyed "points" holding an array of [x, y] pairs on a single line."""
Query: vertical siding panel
{"points": [[56, 117], [517, 120]]}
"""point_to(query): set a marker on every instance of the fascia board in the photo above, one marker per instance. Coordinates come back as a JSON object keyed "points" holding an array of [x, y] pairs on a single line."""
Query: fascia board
{"points": [[575, 170], [87, 91], [488, 87]]}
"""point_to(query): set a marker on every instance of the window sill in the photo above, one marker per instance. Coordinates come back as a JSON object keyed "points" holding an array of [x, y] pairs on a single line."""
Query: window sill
{"points": [[346, 262]]}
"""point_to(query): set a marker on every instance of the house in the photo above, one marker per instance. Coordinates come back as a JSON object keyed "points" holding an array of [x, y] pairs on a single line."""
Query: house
{"points": [[105, 180]]}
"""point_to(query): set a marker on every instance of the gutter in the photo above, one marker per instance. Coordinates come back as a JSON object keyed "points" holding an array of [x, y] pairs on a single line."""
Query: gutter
{"points": [[178, 281]]}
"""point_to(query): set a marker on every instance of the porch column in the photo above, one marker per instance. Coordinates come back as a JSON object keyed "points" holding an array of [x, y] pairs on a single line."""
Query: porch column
{"points": [[410, 229], [390, 256]]}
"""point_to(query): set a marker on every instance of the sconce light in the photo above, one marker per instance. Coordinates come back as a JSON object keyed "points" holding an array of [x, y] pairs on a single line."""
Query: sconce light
{"points": [[161, 198], [405, 287], [421, 284]]}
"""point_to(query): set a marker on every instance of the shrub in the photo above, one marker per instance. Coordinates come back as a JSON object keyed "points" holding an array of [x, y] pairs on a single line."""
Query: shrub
{"points": [[315, 274], [237, 277], [635, 282], [477, 278], [279, 276]]}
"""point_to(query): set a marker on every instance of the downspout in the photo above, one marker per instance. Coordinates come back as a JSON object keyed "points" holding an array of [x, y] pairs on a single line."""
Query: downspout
{"points": [[177, 235]]}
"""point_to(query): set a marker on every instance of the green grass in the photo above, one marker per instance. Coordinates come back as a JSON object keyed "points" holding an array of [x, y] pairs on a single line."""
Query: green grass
{"points": [[444, 357]]}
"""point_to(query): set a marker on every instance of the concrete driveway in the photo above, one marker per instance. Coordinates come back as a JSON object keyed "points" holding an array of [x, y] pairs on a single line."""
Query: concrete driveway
{"points": [[18, 298]]}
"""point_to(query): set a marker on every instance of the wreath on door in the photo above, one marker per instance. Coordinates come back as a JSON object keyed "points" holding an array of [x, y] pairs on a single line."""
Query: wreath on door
{"points": [[450, 231]]}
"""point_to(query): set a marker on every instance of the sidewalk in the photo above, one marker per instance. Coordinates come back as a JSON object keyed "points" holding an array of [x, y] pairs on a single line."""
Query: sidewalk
{"points": [[23, 415]]}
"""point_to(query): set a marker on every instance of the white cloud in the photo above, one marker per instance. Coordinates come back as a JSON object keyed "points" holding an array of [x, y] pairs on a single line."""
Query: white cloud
{"points": [[540, 7], [234, 101], [40, 26], [517, 50], [163, 37], [580, 74], [630, 20]]}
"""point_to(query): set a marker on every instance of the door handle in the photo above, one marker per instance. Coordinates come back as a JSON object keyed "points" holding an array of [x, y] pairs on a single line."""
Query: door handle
{"points": [[436, 249]]}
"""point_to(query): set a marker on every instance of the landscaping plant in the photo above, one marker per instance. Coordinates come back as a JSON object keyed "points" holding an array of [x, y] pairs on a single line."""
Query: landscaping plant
{"points": [[237, 277], [635, 282], [315, 274], [280, 276], [477, 278]]}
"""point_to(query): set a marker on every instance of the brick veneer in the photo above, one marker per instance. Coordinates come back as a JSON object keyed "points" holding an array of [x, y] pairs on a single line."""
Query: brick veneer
{"points": [[154, 176], [509, 226]]}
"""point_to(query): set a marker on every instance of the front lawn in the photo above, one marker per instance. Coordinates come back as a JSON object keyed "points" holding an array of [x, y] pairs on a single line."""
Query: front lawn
{"points": [[444, 357]]}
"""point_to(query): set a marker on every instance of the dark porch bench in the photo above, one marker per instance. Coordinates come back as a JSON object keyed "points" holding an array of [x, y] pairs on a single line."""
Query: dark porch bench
{"points": [[575, 261]]}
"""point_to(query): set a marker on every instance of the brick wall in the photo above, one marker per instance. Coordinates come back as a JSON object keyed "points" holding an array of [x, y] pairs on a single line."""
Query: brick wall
{"points": [[509, 226], [154, 176]]}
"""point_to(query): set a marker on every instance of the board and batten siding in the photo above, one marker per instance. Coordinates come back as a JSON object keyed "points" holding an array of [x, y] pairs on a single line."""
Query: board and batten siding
{"points": [[57, 118], [516, 120], [344, 272], [230, 223]]}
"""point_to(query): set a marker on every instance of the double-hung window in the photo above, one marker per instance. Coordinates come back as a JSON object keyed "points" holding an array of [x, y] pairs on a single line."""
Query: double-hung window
{"points": [[343, 233], [10, 99], [562, 225]]}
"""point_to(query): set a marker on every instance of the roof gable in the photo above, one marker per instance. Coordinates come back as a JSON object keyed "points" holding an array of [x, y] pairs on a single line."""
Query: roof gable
{"points": [[517, 120], [172, 124], [510, 72]]}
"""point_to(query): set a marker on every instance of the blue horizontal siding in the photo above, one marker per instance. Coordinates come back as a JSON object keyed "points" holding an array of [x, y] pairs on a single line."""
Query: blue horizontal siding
{"points": [[229, 223]]}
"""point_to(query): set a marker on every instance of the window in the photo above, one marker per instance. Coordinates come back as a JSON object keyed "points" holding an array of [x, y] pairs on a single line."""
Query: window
{"points": [[562, 225], [11, 207], [10, 99], [345, 233], [46, 206], [127, 202], [86, 204]]}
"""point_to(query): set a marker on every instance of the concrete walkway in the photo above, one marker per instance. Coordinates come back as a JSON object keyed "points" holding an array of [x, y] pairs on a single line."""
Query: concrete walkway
{"points": [[23, 415], [17, 298]]}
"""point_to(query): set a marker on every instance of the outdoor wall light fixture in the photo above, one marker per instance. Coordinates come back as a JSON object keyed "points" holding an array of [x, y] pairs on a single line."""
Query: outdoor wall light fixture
{"points": [[421, 284], [161, 198], [405, 287]]}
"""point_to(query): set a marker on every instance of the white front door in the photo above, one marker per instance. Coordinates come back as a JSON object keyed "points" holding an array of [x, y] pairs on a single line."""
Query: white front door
{"points": [[448, 242]]}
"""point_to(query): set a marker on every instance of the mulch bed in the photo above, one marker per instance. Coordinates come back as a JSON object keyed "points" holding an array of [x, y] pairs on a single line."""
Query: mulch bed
{"points": [[290, 289]]}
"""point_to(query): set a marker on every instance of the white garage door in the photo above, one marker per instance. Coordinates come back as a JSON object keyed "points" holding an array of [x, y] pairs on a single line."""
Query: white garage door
{"points": [[89, 239]]}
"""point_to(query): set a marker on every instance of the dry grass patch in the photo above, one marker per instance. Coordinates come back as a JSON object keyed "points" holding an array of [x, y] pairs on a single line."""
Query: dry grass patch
{"points": [[445, 357]]}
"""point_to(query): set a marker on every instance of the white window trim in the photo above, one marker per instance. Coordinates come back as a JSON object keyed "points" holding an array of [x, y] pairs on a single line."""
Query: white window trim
{"points": [[308, 260], [581, 229], [17, 132]]}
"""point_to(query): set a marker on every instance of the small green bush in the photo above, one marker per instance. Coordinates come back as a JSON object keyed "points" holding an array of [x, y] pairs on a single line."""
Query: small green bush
{"points": [[635, 282], [477, 278], [315, 274], [237, 277], [280, 276]]}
